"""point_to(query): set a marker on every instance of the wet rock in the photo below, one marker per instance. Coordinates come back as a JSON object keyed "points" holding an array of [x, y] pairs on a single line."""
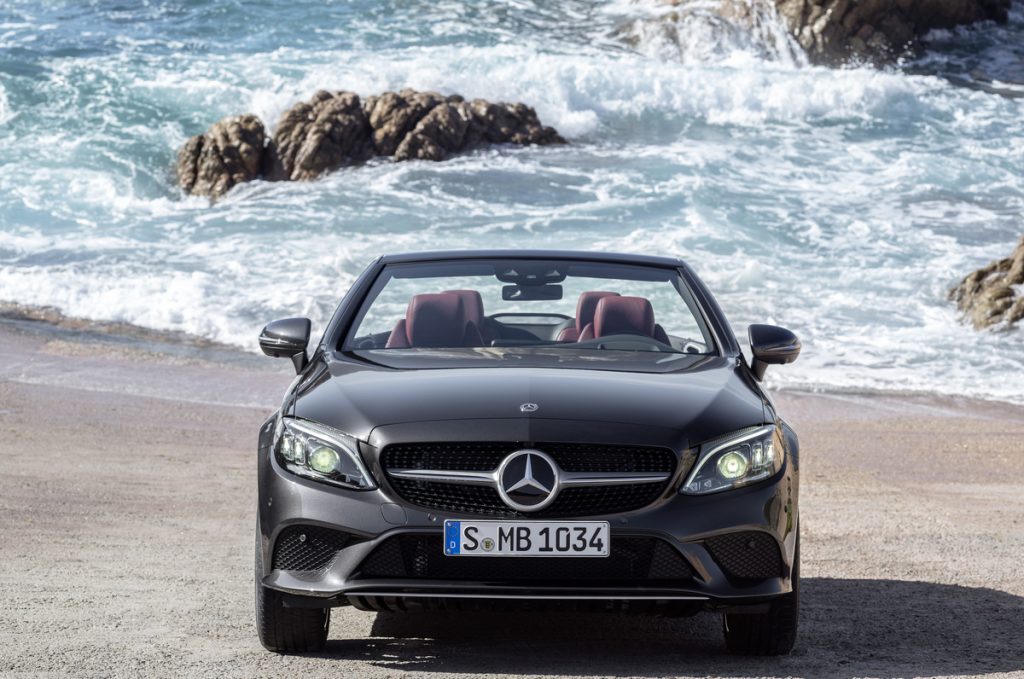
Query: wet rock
{"points": [[512, 123], [229, 153], [994, 294], [836, 31], [327, 132], [393, 115], [336, 129], [440, 132], [457, 126]]}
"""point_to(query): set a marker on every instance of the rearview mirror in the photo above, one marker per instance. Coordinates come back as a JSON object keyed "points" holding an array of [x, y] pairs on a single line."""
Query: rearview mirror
{"points": [[287, 338], [770, 345], [531, 293]]}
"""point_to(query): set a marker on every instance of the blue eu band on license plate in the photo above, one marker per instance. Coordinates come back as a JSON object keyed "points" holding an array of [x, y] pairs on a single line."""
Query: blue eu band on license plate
{"points": [[526, 538]]}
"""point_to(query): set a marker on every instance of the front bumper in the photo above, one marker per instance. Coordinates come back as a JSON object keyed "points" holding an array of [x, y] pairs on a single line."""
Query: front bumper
{"points": [[687, 524]]}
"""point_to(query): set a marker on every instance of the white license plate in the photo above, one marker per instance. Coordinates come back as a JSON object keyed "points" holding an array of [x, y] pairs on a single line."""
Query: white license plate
{"points": [[525, 538]]}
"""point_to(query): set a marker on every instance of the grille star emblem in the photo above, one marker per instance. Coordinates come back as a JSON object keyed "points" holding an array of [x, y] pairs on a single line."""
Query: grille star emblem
{"points": [[528, 480]]}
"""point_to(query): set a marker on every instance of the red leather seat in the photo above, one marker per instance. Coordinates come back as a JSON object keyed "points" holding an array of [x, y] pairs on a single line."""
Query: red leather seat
{"points": [[473, 308], [431, 320], [621, 316], [585, 307]]}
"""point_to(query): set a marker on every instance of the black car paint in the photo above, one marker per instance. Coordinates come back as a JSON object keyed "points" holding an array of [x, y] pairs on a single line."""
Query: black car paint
{"points": [[378, 405]]}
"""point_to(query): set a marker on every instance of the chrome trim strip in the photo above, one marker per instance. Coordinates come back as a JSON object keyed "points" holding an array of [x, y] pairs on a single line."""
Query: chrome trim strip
{"points": [[467, 478], [579, 597], [472, 478], [611, 478]]}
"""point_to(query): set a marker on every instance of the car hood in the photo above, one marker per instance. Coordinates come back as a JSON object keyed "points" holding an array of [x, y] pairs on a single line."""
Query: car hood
{"points": [[708, 400]]}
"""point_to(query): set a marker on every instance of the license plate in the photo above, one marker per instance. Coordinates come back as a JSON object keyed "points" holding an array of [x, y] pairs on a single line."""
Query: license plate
{"points": [[525, 538]]}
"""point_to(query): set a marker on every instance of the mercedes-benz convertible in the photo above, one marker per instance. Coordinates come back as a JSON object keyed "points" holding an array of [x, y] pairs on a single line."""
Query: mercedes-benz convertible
{"points": [[531, 428]]}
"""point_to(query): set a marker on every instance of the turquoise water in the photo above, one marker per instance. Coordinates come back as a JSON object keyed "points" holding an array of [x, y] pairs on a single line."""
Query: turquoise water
{"points": [[840, 203]]}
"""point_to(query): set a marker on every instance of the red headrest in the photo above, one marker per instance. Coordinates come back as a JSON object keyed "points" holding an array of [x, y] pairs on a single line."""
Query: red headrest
{"points": [[435, 321], [472, 305], [587, 305], [624, 316]]}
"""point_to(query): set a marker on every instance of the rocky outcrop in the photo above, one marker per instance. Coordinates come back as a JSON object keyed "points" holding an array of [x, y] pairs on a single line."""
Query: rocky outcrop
{"points": [[336, 129], [836, 31], [994, 294], [229, 153], [831, 32]]}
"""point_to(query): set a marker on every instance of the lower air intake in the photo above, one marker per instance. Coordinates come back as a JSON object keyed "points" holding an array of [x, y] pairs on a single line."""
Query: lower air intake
{"points": [[749, 555], [308, 548]]}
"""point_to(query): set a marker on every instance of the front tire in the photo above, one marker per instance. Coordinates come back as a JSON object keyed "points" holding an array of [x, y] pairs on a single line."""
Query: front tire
{"points": [[287, 630], [769, 633]]}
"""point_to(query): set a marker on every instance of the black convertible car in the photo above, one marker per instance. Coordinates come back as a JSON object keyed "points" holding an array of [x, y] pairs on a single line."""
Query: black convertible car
{"points": [[567, 427]]}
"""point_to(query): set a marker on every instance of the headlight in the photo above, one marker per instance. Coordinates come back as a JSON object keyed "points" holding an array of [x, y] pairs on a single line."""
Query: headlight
{"points": [[746, 457], [318, 452]]}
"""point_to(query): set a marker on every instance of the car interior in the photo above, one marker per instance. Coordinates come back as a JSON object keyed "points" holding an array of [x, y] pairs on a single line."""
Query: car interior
{"points": [[456, 318]]}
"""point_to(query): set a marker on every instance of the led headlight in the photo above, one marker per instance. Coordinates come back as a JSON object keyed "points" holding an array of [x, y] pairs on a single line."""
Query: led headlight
{"points": [[746, 457], [318, 452]]}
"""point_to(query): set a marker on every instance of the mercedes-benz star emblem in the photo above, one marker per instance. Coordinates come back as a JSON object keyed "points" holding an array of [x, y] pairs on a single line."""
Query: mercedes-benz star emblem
{"points": [[528, 480], [528, 408]]}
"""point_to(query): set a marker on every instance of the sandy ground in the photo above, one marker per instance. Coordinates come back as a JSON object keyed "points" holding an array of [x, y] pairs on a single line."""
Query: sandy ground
{"points": [[127, 486]]}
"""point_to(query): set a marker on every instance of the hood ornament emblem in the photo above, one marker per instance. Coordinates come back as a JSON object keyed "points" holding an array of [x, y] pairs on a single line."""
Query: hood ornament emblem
{"points": [[529, 408], [528, 480]]}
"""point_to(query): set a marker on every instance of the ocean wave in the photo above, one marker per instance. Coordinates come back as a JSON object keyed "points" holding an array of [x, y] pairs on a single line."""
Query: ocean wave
{"points": [[842, 203]]}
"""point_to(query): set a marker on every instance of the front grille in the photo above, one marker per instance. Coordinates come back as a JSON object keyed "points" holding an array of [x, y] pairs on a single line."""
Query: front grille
{"points": [[308, 548], [570, 457], [748, 555], [486, 456], [421, 556]]}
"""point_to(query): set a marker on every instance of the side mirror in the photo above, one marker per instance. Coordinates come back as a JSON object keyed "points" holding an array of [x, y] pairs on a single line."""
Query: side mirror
{"points": [[287, 338], [770, 345]]}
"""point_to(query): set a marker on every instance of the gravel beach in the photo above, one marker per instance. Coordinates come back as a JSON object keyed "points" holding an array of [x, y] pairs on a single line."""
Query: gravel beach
{"points": [[127, 491]]}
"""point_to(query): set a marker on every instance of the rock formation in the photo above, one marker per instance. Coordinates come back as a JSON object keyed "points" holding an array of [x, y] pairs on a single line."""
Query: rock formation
{"points": [[834, 31], [229, 153], [989, 297], [335, 129], [830, 32]]}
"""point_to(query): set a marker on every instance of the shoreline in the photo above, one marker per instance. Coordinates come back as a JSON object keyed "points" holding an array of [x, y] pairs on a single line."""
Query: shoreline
{"points": [[127, 338]]}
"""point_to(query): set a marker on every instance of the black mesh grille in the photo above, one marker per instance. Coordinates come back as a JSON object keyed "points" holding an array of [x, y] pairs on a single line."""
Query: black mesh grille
{"points": [[308, 548], [486, 456], [452, 497], [454, 456], [587, 457], [749, 555], [422, 557]]}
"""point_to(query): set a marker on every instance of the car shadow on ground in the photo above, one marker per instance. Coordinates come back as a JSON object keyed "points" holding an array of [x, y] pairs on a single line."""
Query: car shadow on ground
{"points": [[848, 628]]}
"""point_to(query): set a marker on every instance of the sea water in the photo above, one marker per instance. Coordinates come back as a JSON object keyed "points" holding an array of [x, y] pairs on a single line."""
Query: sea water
{"points": [[841, 203]]}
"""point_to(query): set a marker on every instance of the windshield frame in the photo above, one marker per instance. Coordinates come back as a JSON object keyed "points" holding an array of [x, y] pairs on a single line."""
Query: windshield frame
{"points": [[709, 324]]}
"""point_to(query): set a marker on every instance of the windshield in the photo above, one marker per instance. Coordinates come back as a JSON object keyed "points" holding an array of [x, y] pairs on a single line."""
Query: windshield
{"points": [[540, 306]]}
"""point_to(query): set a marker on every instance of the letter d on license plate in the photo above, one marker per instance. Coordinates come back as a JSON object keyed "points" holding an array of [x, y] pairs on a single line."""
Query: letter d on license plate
{"points": [[526, 538]]}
